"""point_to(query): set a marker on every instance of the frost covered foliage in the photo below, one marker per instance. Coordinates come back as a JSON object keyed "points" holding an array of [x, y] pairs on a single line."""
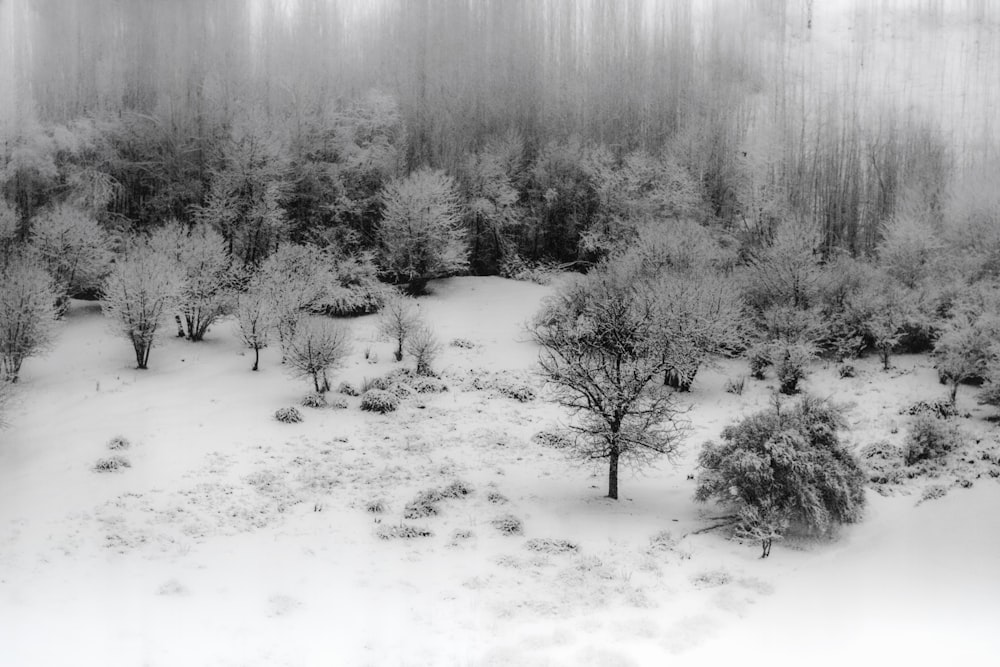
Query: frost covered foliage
{"points": [[379, 400], [930, 438], [140, 290], [354, 287], [421, 232], [73, 247], [204, 266], [318, 346], [967, 346], [27, 311], [782, 467]]}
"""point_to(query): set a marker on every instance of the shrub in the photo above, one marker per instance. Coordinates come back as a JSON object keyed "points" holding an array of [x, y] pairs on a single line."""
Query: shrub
{"points": [[966, 349], [314, 400], [508, 524], [294, 279], [463, 343], [884, 461], [735, 385], [317, 346], [428, 385], [790, 365], [496, 498], [552, 439], [73, 247], [379, 400], [354, 288], [934, 408], [930, 438], [380, 383], [759, 357], [288, 415], [424, 505], [933, 492], [457, 489], [551, 546], [112, 464], [256, 318], [378, 506], [846, 371], [403, 531], [663, 541], [518, 391], [118, 443], [424, 347], [27, 313], [338, 403], [780, 467], [347, 389]]}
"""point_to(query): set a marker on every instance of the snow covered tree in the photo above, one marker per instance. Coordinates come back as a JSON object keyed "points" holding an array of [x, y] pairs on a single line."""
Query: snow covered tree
{"points": [[602, 345], [779, 468], [27, 310], [421, 232], [318, 345], [255, 316], [142, 287], [424, 347], [966, 349], [295, 279], [200, 255], [397, 320], [73, 247]]}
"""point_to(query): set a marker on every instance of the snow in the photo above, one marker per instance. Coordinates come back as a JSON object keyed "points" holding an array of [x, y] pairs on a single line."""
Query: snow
{"points": [[236, 540]]}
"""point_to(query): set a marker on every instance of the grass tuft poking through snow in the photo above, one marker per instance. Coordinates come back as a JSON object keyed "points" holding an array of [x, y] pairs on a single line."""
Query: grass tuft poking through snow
{"points": [[112, 464]]}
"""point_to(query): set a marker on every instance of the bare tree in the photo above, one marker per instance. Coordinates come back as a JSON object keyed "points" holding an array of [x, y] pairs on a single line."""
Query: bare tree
{"points": [[424, 347], [256, 319], [317, 346], [603, 350], [140, 290], [397, 320], [421, 232], [27, 310]]}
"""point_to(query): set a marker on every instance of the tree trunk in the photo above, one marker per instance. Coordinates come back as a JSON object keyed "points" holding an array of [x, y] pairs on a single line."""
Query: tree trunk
{"points": [[613, 472], [765, 545], [953, 396], [675, 380], [885, 357], [399, 350], [256, 358]]}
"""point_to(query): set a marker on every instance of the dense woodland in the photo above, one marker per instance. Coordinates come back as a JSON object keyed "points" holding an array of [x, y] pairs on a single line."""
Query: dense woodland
{"points": [[270, 160]]}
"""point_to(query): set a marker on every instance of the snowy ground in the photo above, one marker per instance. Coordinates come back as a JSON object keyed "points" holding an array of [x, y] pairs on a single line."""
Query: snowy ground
{"points": [[236, 540]]}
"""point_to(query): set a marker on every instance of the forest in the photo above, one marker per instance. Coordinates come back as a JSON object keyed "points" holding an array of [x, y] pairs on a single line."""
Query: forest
{"points": [[795, 189]]}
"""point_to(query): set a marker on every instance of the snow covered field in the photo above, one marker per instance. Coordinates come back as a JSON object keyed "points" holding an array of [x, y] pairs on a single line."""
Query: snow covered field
{"points": [[234, 539]]}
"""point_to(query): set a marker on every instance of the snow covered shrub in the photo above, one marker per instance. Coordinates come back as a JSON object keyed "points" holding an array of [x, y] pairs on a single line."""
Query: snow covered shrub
{"points": [[141, 289], [294, 278], [314, 400], [508, 524], [551, 439], [288, 415], [317, 346], [338, 403], [111, 464], [711, 578], [421, 233], [428, 385], [354, 288], [966, 349], [118, 443], [379, 400], [200, 255], [424, 347], [347, 389], [27, 313], [933, 492], [663, 541], [735, 385], [551, 546], [938, 409], [73, 247], [790, 361], [884, 462], [377, 506], [403, 531], [759, 357], [845, 371], [397, 321], [782, 467], [456, 489], [462, 343], [496, 498], [930, 438], [519, 391], [424, 505]]}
